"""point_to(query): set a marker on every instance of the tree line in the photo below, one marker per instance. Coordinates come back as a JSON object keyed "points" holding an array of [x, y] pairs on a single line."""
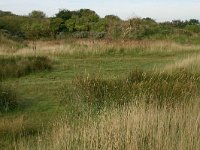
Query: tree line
{"points": [[86, 23]]}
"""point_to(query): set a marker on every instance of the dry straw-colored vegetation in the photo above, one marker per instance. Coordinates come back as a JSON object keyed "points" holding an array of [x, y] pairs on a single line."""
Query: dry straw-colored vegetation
{"points": [[90, 48], [191, 63], [162, 89], [132, 127]]}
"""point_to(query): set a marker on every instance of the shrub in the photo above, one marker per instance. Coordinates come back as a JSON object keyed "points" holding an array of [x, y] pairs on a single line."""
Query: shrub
{"points": [[82, 34], [40, 63]]}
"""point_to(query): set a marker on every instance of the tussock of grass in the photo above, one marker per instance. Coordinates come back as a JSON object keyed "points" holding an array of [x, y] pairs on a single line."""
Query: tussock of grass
{"points": [[20, 66], [160, 88], [8, 99], [180, 85]]}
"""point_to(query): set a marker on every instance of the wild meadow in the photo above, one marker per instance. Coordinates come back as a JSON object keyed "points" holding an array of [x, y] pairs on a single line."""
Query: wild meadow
{"points": [[99, 94]]}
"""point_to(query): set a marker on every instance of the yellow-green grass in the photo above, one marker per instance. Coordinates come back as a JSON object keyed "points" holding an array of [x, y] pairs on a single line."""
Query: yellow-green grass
{"points": [[40, 93], [133, 127], [190, 63], [88, 48]]}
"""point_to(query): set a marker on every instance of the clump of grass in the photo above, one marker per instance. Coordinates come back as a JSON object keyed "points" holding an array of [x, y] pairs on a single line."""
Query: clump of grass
{"points": [[161, 88], [8, 99], [164, 88], [18, 66], [98, 91]]}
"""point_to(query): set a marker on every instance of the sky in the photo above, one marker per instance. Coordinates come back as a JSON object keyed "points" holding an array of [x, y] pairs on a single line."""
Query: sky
{"points": [[160, 10]]}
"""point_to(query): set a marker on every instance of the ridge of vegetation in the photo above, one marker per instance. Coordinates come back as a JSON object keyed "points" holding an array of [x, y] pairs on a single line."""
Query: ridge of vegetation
{"points": [[85, 23]]}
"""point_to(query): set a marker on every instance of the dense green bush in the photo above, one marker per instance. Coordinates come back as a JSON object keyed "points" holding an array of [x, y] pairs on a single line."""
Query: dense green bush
{"points": [[36, 26]]}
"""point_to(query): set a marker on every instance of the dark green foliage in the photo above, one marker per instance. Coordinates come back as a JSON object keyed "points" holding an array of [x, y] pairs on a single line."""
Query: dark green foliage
{"points": [[64, 14], [23, 26], [193, 22], [83, 20], [161, 88], [6, 13], [113, 26], [99, 26], [142, 28], [18, 66], [178, 23], [36, 26], [8, 99], [37, 14], [36, 30], [55, 26], [70, 24], [12, 25]]}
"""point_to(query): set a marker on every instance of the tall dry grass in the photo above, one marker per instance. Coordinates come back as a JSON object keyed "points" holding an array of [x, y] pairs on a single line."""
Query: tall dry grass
{"points": [[160, 88], [132, 127], [137, 126], [14, 125], [190, 63], [140, 125], [82, 48], [9, 45]]}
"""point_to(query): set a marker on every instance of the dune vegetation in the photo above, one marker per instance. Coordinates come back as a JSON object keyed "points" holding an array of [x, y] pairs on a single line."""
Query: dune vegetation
{"points": [[69, 85], [80, 94]]}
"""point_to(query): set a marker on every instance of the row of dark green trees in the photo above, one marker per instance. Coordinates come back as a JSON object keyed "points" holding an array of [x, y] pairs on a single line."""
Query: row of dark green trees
{"points": [[85, 23]]}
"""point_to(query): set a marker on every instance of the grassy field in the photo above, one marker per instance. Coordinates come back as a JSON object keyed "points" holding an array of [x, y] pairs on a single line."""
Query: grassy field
{"points": [[83, 94]]}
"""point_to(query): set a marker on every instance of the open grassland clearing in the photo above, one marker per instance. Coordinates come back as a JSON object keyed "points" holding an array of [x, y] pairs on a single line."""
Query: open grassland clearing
{"points": [[101, 95]]}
